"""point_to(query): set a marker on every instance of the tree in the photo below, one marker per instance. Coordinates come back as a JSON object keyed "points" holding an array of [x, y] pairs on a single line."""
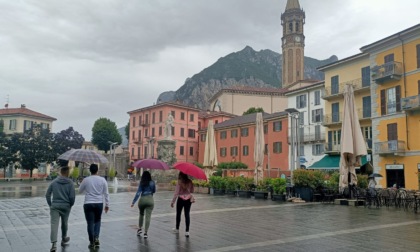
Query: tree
{"points": [[253, 110], [66, 140], [105, 131], [1, 126], [127, 130], [7, 156]]}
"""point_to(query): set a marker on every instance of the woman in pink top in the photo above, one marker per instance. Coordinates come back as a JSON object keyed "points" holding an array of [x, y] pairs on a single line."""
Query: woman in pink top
{"points": [[182, 195]]}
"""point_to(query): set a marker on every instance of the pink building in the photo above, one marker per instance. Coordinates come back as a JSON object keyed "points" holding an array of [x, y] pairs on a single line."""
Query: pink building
{"points": [[235, 140], [147, 126]]}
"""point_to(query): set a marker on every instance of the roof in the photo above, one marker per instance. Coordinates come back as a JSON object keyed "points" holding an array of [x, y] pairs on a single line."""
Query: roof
{"points": [[23, 111], [312, 86], [338, 62], [331, 163], [169, 104], [211, 114], [248, 119], [389, 38], [250, 90], [292, 4]]}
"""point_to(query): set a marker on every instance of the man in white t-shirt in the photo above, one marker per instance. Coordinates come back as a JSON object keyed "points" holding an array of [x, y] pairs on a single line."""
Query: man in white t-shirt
{"points": [[96, 191]]}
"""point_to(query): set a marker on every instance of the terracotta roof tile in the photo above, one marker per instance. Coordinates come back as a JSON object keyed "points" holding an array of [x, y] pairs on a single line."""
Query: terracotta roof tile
{"points": [[26, 112]]}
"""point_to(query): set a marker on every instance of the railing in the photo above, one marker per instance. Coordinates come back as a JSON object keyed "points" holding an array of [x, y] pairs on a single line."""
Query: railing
{"points": [[309, 138], [338, 91], [386, 72], [144, 123], [330, 147], [411, 103], [335, 118], [137, 140], [134, 157], [390, 147]]}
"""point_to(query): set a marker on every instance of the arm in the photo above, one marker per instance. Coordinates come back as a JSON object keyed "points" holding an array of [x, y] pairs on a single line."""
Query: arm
{"points": [[72, 195], [176, 193], [191, 187], [136, 197], [154, 187], [82, 187], [106, 194], [48, 195]]}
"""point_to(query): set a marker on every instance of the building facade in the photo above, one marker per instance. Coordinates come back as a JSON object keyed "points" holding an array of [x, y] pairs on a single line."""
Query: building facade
{"points": [[293, 43], [18, 120], [307, 101], [147, 127], [395, 90]]}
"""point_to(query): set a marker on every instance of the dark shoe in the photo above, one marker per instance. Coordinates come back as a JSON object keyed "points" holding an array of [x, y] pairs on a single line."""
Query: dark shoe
{"points": [[139, 232], [97, 244], [145, 235], [65, 240], [91, 245], [53, 247]]}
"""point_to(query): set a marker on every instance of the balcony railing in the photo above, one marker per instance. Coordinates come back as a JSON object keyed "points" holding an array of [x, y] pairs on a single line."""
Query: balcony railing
{"points": [[331, 119], [387, 72], [144, 123], [390, 147], [310, 138], [411, 103], [357, 84], [332, 148], [137, 140]]}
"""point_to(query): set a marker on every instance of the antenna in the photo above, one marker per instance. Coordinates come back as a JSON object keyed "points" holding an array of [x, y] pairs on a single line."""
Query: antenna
{"points": [[7, 101]]}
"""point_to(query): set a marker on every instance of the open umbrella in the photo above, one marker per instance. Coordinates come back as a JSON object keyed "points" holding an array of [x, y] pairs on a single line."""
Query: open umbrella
{"points": [[151, 164], [191, 169], [259, 148], [210, 149], [375, 175], [83, 155], [353, 144]]}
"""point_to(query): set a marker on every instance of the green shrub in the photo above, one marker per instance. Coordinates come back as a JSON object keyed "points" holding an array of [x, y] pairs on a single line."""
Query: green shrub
{"points": [[362, 181], [263, 184], [313, 179], [174, 182], [278, 185], [217, 182], [232, 183], [199, 165], [334, 180], [75, 173], [232, 165], [111, 173], [244, 184]]}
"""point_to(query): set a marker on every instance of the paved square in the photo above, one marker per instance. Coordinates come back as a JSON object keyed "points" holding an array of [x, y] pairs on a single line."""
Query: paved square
{"points": [[218, 223]]}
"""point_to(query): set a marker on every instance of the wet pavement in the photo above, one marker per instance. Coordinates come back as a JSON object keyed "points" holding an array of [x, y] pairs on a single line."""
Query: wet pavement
{"points": [[218, 223]]}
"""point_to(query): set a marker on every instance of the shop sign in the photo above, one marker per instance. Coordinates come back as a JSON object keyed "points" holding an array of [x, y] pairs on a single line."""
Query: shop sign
{"points": [[394, 166]]}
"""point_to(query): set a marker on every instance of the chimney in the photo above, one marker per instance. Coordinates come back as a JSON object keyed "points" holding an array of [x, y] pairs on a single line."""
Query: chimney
{"points": [[22, 105]]}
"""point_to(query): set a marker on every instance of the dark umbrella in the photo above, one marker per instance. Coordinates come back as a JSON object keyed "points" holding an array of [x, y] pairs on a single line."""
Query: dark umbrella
{"points": [[191, 169], [83, 155], [151, 164], [375, 175]]}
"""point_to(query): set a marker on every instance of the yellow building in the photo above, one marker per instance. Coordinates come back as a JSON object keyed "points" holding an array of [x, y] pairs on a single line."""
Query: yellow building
{"points": [[395, 91], [354, 70]]}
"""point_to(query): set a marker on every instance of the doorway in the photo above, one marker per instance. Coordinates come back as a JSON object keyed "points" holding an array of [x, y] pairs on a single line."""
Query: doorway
{"points": [[395, 177]]}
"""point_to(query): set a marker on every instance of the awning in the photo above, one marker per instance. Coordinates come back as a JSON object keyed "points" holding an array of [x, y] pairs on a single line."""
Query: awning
{"points": [[331, 163]]}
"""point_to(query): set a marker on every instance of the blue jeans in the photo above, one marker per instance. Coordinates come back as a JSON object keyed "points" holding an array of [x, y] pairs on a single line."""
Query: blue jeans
{"points": [[93, 213]]}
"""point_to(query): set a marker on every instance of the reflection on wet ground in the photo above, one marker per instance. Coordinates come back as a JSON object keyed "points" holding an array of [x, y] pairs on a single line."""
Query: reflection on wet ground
{"points": [[25, 191]]}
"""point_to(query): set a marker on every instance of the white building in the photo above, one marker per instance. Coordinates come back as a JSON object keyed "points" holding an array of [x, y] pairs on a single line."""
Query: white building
{"points": [[307, 100]]}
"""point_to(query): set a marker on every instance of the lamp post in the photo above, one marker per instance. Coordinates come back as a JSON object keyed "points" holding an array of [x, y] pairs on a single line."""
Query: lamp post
{"points": [[294, 140], [112, 147]]}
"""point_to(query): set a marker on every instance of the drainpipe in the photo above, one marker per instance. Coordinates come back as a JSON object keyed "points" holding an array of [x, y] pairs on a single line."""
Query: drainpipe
{"points": [[405, 89]]}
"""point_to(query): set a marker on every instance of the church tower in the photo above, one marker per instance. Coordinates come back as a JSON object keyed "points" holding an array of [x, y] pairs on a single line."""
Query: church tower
{"points": [[293, 43]]}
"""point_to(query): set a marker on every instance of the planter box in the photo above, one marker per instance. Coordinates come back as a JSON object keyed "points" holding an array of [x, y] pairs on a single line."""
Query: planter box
{"points": [[231, 193], [219, 192], [204, 190], [261, 195], [305, 193], [278, 197], [244, 194]]}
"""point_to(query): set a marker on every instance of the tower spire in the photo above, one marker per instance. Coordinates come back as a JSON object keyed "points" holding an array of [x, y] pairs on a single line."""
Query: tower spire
{"points": [[292, 4]]}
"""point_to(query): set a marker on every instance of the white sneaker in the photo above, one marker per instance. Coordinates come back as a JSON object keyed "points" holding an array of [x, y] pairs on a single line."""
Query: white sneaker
{"points": [[175, 231], [187, 234], [138, 232]]}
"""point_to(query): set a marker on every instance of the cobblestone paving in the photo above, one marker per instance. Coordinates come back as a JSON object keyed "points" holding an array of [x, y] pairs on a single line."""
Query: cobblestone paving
{"points": [[218, 223]]}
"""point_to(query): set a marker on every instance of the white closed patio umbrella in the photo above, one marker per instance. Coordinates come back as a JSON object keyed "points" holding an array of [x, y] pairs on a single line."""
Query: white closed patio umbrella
{"points": [[259, 148], [353, 145], [210, 150]]}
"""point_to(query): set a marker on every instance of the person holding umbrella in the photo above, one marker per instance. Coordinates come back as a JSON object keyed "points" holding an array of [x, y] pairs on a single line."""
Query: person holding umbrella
{"points": [[146, 190], [183, 198]]}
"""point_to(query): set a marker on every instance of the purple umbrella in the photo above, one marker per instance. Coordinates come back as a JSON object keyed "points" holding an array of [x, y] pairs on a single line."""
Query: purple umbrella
{"points": [[151, 164]]}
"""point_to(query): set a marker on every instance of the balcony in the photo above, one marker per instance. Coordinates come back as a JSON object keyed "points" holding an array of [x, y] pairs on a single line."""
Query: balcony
{"points": [[136, 140], [332, 119], [410, 103], [390, 147], [333, 92], [308, 138], [331, 148], [390, 71], [144, 123], [134, 157]]}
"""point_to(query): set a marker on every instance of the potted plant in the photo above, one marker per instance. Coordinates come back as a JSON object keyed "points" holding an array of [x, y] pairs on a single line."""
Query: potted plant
{"points": [[244, 187], [305, 182], [278, 189], [231, 186], [261, 190], [218, 185]]}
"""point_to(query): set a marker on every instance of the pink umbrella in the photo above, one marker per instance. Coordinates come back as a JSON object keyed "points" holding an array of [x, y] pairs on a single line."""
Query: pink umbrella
{"points": [[151, 164], [191, 169]]}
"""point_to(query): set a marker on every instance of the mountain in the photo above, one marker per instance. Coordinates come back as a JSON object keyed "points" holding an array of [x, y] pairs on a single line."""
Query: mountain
{"points": [[246, 67]]}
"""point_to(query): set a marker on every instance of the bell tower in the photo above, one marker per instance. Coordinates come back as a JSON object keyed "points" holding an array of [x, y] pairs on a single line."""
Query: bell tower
{"points": [[293, 43]]}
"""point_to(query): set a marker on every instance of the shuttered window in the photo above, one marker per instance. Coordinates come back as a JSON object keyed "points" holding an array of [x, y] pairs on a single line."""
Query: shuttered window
{"points": [[418, 55], [365, 76], [383, 102], [334, 85]]}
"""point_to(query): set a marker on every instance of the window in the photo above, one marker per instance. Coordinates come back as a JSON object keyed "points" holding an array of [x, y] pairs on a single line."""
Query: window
{"points": [[244, 132], [290, 27], [365, 76], [297, 26], [132, 151], [133, 135], [265, 149], [173, 113], [191, 151], [223, 134], [138, 152], [317, 95], [160, 116], [301, 150], [145, 152], [146, 132], [234, 133], [181, 150], [153, 132], [392, 136], [134, 122], [12, 124], [199, 125], [317, 149], [389, 64], [366, 107], [265, 128], [335, 107], [45, 125], [418, 55], [191, 117], [153, 117], [391, 100], [277, 147], [191, 133], [182, 115], [172, 131], [140, 122], [223, 152], [317, 115], [277, 126], [317, 132], [182, 132], [160, 130], [139, 135], [334, 85], [203, 137], [147, 119], [245, 150], [234, 151], [27, 125], [301, 118], [301, 101], [334, 139]]}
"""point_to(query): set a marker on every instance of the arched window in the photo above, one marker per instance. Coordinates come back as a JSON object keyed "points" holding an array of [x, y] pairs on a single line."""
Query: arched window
{"points": [[291, 27], [297, 26]]}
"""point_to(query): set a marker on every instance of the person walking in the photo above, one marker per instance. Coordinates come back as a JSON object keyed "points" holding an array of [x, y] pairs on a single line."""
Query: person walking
{"points": [[183, 196], [145, 191], [96, 190], [63, 196]]}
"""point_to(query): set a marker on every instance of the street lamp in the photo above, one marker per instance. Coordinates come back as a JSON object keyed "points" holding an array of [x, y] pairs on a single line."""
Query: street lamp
{"points": [[294, 140], [112, 147]]}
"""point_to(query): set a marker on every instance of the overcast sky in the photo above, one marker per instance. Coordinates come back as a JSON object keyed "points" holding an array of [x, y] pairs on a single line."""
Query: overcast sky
{"points": [[80, 60]]}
